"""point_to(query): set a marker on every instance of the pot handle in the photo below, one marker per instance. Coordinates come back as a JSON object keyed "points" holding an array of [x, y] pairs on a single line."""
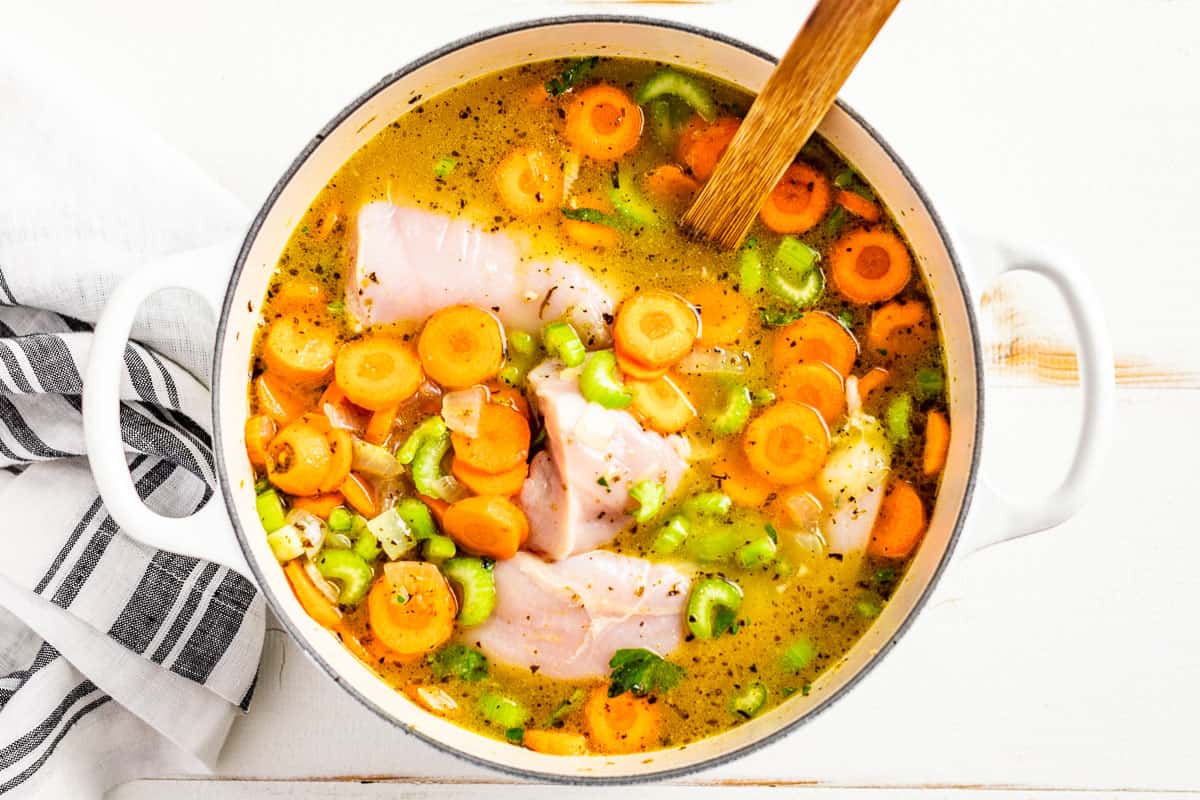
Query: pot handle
{"points": [[206, 534], [1004, 517]]}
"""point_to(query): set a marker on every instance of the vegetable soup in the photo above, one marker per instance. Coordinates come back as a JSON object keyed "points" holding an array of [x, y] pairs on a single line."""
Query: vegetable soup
{"points": [[558, 473]]}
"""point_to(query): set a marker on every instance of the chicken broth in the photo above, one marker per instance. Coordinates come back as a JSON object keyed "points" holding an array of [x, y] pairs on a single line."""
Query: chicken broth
{"points": [[562, 475]]}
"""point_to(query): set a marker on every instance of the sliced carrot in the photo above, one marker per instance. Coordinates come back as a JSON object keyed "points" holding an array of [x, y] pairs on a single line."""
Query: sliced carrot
{"points": [[603, 122], [858, 205], [502, 484], [798, 202], [501, 443], [655, 327], [378, 371], [380, 425], [530, 183], [341, 456], [814, 383], [937, 442], [277, 400], [506, 395], [412, 608], [900, 329], [744, 486], [299, 349], [360, 495], [317, 421], [870, 265], [298, 459], [661, 405], [555, 743], [437, 507], [315, 604], [299, 296], [724, 313], [637, 370], [871, 381], [622, 724], [592, 235], [461, 346], [670, 184], [320, 505], [487, 525], [787, 443], [816, 336], [702, 144], [900, 524], [260, 430]]}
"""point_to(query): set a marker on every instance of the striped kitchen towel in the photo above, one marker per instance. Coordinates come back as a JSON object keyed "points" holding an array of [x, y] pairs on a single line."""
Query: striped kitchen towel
{"points": [[116, 660]]}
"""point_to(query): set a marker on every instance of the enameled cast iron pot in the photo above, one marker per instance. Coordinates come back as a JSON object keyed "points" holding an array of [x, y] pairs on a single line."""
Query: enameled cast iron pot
{"points": [[239, 296]]}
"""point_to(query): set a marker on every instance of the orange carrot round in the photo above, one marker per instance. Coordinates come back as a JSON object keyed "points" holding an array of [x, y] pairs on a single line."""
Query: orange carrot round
{"points": [[487, 525], [816, 336], [501, 484], [461, 346], [900, 329], [360, 495], [320, 505], [622, 724], [555, 743], [858, 205], [798, 202], [378, 371], [656, 328], [937, 442], [702, 144], [636, 369], [592, 235], [437, 507], [603, 123], [315, 604], [670, 184], [870, 265], [259, 431], [299, 350], [501, 443], [871, 381], [814, 383], [506, 395], [299, 296], [900, 524], [341, 456], [412, 608], [379, 427], [278, 401], [661, 405], [724, 313], [530, 183], [787, 443], [298, 459], [740, 481]]}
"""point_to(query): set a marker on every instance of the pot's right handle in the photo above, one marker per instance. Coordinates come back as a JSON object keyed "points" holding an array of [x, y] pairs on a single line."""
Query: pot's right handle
{"points": [[206, 534], [1004, 517]]}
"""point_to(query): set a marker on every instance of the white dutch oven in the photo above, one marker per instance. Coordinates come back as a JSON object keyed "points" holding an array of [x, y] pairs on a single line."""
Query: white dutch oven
{"points": [[206, 534]]}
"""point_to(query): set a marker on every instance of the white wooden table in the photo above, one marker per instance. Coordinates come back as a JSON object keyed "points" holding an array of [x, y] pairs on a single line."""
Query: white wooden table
{"points": [[1065, 663]]}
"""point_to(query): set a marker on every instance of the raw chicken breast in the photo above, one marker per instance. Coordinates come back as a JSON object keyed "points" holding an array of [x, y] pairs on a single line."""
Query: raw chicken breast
{"points": [[577, 493], [569, 617], [409, 263]]}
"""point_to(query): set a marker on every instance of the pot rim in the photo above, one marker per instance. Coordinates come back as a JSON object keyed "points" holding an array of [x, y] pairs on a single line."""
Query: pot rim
{"points": [[218, 434]]}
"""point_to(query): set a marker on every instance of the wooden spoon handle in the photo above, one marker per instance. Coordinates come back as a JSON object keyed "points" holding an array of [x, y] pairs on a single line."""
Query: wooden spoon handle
{"points": [[783, 116]]}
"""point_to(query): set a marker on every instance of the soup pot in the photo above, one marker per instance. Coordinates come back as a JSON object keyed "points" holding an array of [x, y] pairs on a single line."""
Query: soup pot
{"points": [[239, 295]]}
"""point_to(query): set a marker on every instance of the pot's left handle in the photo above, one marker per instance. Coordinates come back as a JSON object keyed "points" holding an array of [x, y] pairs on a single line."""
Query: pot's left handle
{"points": [[207, 533]]}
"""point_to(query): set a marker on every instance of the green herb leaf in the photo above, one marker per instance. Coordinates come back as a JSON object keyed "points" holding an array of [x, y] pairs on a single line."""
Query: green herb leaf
{"points": [[593, 215], [555, 720], [642, 672], [460, 662], [774, 317], [572, 74], [515, 735]]}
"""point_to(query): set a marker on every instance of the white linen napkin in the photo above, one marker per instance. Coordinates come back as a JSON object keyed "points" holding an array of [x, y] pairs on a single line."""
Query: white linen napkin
{"points": [[116, 660]]}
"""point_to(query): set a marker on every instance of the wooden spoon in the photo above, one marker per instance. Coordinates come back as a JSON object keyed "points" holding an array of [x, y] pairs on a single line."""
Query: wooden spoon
{"points": [[783, 116]]}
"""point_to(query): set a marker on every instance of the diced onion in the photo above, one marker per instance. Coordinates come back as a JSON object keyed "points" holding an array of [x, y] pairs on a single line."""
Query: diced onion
{"points": [[338, 541], [449, 488], [341, 417], [286, 543], [375, 460], [323, 586], [462, 409], [712, 362], [393, 533], [433, 698], [310, 527]]}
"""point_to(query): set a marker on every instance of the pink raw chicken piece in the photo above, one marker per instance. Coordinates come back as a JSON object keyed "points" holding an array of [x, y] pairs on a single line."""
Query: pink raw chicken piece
{"points": [[569, 617], [409, 263], [577, 493]]}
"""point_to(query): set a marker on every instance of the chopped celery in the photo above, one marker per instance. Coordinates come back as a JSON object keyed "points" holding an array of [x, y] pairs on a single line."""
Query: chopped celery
{"points": [[661, 123], [476, 587], [600, 382], [930, 383], [671, 535], [672, 83], [713, 504], [431, 427], [898, 417], [834, 222], [649, 496], [748, 701], [444, 166], [750, 268], [437, 548], [844, 179], [561, 340], [351, 572], [392, 533], [560, 712], [501, 711], [629, 202], [340, 519], [764, 397], [794, 276], [712, 608], [270, 510], [286, 543], [459, 661], [366, 545], [734, 415], [571, 74], [757, 552], [592, 215], [417, 516], [795, 257], [868, 605], [798, 655], [427, 473], [522, 344], [713, 544]]}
